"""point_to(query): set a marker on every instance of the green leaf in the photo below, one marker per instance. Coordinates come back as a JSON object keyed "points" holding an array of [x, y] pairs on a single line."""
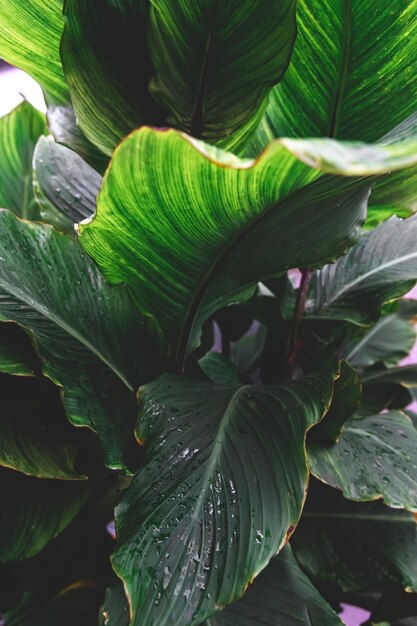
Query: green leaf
{"points": [[19, 132], [359, 546], [351, 74], [17, 356], [405, 376], [222, 488], [232, 207], [389, 341], [214, 64], [380, 267], [219, 369], [281, 596], [35, 437], [63, 126], [115, 608], [375, 457], [77, 604], [346, 399], [66, 187], [102, 39], [90, 338], [33, 511], [30, 35]]}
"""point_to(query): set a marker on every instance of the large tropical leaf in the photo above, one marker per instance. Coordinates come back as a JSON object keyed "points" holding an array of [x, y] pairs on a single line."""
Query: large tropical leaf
{"points": [[214, 64], [35, 437], [30, 35], [66, 187], [281, 596], [375, 457], [351, 74], [389, 341], [198, 212], [221, 491], [380, 267], [19, 132], [360, 546], [105, 39], [33, 511], [91, 339]]}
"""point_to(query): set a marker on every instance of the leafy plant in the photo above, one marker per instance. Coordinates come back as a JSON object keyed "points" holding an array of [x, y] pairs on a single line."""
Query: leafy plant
{"points": [[204, 252]]}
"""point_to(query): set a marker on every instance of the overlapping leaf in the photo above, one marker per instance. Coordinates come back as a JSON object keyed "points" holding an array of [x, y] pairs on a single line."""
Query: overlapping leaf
{"points": [[66, 187], [199, 212], [222, 489], [214, 64], [380, 267], [91, 339], [30, 35], [19, 132], [102, 42], [17, 355], [357, 545], [33, 511], [375, 457], [281, 596]]}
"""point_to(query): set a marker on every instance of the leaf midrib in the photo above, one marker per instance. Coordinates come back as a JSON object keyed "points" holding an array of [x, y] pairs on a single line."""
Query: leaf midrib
{"points": [[58, 321], [344, 66]]}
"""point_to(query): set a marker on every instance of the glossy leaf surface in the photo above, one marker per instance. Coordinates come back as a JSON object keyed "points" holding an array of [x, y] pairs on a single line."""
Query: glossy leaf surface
{"points": [[380, 267], [222, 489], [89, 336], [198, 212], [357, 545], [35, 437], [30, 35], [34, 511], [19, 132], [281, 596], [375, 457], [214, 64], [66, 187], [103, 40]]}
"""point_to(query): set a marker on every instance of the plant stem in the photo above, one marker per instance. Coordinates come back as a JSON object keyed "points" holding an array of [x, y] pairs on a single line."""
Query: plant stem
{"points": [[295, 342]]}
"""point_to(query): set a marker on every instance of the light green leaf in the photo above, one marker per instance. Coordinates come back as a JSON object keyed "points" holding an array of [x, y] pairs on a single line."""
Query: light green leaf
{"points": [[375, 457], [30, 35], [90, 338], [215, 63], [17, 356], [357, 545], [281, 596], [65, 186], [351, 74], [380, 267], [389, 341], [35, 437], [102, 39], [222, 488], [33, 511], [198, 212], [19, 132]]}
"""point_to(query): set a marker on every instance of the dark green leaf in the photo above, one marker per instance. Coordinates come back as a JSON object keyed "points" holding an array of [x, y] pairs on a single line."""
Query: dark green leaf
{"points": [[104, 39], [91, 339], [389, 341], [66, 187], [19, 132], [30, 35], [33, 511], [115, 609], [218, 369], [375, 457], [222, 489], [360, 546], [215, 63], [35, 437], [405, 376], [17, 355], [380, 267], [232, 207], [247, 351], [63, 126], [77, 604]]}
